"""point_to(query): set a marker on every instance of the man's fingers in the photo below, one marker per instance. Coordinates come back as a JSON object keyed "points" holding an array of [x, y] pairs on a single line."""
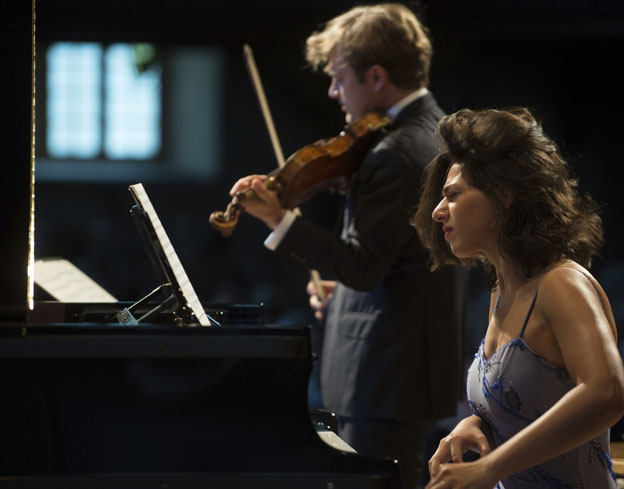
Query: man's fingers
{"points": [[328, 285], [242, 184], [315, 303], [262, 192]]}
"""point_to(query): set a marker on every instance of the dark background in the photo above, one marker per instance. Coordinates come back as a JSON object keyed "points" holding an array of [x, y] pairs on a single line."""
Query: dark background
{"points": [[562, 58]]}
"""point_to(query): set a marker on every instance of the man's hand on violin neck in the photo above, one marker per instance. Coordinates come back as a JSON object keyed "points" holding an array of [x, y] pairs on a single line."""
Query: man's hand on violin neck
{"points": [[244, 184], [259, 201]]}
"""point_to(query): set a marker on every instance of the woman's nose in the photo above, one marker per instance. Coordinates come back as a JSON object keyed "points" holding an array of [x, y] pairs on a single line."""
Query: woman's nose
{"points": [[440, 213]]}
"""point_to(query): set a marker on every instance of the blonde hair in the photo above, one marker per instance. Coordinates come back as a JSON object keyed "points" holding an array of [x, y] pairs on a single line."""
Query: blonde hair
{"points": [[387, 34]]}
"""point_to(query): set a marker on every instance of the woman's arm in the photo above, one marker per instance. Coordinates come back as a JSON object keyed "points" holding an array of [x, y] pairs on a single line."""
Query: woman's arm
{"points": [[584, 330], [585, 334]]}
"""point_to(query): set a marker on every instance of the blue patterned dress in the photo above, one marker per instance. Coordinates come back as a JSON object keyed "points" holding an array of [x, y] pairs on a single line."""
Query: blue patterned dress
{"points": [[513, 388]]}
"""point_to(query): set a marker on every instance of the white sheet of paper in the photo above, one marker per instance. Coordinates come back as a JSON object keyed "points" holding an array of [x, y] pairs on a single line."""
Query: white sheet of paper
{"points": [[176, 266], [67, 283], [334, 441]]}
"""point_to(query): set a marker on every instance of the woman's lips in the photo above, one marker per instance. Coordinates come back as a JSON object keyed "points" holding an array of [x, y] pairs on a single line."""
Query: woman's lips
{"points": [[447, 230]]}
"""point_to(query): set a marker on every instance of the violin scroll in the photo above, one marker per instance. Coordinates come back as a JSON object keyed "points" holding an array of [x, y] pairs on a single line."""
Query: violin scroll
{"points": [[225, 221]]}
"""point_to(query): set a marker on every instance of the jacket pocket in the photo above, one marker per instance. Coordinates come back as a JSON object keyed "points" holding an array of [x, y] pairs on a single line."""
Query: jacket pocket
{"points": [[357, 324]]}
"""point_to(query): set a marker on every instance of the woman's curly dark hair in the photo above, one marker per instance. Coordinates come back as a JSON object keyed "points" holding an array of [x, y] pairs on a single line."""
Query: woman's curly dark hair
{"points": [[505, 153]]}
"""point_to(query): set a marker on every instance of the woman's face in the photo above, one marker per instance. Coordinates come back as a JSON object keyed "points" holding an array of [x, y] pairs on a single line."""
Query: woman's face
{"points": [[468, 217]]}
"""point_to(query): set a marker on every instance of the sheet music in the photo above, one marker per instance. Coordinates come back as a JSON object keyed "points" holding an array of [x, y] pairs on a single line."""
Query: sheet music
{"points": [[178, 270], [67, 283], [334, 441]]}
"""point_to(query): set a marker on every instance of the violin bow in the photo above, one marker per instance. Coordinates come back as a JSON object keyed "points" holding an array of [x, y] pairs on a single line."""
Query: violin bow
{"points": [[279, 155]]}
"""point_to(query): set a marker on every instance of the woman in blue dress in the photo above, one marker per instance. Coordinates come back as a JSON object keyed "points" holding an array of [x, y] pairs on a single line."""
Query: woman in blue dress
{"points": [[548, 380]]}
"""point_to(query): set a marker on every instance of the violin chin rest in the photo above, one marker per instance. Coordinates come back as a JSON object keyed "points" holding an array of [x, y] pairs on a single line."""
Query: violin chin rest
{"points": [[221, 224]]}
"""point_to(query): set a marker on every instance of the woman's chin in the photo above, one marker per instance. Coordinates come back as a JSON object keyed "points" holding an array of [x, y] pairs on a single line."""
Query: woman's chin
{"points": [[460, 253]]}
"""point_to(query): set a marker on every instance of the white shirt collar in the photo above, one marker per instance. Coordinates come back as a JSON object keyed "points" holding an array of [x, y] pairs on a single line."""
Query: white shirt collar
{"points": [[393, 111]]}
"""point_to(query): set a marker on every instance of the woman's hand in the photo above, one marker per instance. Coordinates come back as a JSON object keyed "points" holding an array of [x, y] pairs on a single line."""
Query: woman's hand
{"points": [[469, 434], [469, 475], [446, 467], [315, 301]]}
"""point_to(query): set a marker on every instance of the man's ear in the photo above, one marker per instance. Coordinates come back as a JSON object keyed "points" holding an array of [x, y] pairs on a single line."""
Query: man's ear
{"points": [[379, 76]]}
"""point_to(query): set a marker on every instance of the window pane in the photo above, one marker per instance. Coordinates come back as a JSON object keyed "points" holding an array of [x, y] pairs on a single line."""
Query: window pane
{"points": [[132, 109], [73, 100]]}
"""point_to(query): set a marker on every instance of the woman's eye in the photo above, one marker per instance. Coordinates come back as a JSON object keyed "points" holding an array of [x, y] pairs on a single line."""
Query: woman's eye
{"points": [[451, 197]]}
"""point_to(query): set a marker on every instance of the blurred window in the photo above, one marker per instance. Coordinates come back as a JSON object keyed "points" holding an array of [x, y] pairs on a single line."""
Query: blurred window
{"points": [[103, 101]]}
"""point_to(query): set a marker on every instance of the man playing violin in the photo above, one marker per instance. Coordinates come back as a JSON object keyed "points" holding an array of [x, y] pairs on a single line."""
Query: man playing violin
{"points": [[390, 361]]}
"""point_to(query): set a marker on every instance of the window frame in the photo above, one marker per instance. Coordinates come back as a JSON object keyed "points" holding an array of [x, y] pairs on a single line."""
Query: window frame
{"points": [[162, 167]]}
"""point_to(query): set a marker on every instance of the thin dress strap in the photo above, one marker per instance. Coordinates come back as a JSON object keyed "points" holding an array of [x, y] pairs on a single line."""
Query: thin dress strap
{"points": [[526, 320], [496, 305]]}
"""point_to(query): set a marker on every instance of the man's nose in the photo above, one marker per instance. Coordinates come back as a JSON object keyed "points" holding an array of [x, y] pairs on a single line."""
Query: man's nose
{"points": [[333, 90]]}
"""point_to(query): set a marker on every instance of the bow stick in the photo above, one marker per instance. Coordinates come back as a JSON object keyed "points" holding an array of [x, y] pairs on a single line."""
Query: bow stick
{"points": [[279, 155]]}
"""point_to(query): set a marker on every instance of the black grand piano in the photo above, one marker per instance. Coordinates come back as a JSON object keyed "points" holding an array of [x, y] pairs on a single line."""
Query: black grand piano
{"points": [[103, 405], [165, 393]]}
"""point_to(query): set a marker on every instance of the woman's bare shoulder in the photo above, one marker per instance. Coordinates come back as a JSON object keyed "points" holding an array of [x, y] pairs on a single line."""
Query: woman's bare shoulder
{"points": [[569, 285]]}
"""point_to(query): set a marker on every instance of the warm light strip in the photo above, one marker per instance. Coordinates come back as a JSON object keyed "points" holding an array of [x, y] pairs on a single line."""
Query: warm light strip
{"points": [[31, 226]]}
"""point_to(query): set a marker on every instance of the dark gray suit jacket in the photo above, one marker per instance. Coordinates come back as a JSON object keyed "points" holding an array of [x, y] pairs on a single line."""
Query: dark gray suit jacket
{"points": [[392, 339]]}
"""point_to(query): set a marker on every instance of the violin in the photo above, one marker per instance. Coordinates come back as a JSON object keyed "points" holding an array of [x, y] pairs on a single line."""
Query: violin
{"points": [[317, 166]]}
